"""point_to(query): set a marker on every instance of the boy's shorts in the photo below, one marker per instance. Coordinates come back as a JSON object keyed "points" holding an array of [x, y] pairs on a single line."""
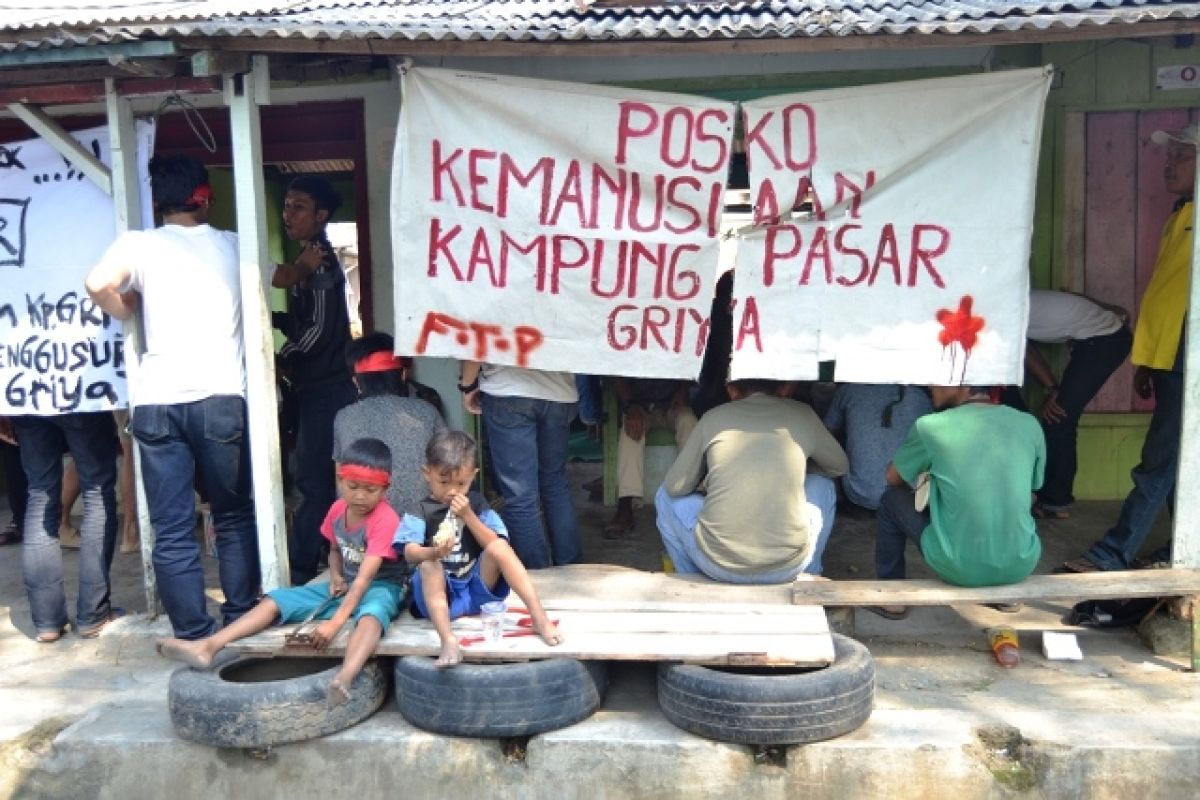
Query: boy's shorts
{"points": [[463, 595], [382, 600]]}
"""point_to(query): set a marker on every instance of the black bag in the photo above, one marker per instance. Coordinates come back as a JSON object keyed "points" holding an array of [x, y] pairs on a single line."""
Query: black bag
{"points": [[1117, 613]]}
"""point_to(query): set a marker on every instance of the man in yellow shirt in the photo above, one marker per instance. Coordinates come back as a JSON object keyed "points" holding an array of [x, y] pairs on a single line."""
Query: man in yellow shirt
{"points": [[1158, 354]]}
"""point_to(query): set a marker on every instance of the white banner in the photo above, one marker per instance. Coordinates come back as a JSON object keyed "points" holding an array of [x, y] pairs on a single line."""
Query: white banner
{"points": [[58, 351], [903, 215], [556, 226]]}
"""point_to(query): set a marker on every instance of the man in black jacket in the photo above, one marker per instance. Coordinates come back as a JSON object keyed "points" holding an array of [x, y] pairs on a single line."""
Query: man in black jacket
{"points": [[317, 327]]}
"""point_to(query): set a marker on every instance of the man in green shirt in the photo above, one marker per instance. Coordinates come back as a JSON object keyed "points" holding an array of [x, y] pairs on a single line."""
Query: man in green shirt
{"points": [[983, 462]]}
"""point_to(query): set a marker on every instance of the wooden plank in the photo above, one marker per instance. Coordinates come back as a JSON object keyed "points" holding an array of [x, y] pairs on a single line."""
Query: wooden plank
{"points": [[1089, 586], [778, 635], [610, 583], [1074, 192], [621, 614]]}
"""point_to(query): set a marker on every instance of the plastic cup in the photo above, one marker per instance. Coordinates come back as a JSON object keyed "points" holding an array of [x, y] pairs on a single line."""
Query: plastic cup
{"points": [[492, 615]]}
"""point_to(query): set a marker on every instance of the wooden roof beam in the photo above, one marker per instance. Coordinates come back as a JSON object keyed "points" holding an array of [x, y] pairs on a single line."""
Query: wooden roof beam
{"points": [[64, 144]]}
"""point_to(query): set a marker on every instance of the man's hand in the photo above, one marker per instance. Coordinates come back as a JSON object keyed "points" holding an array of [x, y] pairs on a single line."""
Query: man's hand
{"points": [[635, 422], [472, 402], [337, 585], [1142, 383], [7, 434], [325, 633], [1052, 412]]}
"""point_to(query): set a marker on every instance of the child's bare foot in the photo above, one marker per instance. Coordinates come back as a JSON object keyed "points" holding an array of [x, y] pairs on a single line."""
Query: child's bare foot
{"points": [[548, 631], [449, 656], [194, 654], [337, 693]]}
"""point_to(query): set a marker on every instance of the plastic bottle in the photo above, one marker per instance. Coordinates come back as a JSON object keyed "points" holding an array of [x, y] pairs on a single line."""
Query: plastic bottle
{"points": [[1005, 646]]}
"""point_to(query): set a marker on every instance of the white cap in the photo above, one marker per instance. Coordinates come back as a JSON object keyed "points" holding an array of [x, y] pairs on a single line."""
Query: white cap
{"points": [[1189, 135]]}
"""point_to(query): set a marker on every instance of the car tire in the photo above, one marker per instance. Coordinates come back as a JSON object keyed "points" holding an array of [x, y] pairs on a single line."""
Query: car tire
{"points": [[261, 702], [771, 705], [499, 700]]}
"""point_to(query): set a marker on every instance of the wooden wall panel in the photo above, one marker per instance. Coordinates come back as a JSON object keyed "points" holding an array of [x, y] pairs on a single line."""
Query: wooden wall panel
{"points": [[1124, 211], [1110, 229]]}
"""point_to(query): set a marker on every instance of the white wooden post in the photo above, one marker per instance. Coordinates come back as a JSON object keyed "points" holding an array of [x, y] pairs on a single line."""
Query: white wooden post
{"points": [[243, 93], [127, 208], [1185, 549]]}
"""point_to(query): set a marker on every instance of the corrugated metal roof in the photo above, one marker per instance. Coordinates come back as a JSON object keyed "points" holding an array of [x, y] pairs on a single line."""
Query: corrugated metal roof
{"points": [[57, 23]]}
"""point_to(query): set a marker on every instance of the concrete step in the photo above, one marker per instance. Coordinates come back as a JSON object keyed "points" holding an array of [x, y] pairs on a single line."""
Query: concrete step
{"points": [[629, 750]]}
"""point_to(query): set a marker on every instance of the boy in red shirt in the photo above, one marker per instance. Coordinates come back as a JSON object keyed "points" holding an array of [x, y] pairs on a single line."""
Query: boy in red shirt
{"points": [[366, 580]]}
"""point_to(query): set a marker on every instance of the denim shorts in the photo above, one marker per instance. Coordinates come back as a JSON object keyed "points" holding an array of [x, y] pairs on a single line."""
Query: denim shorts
{"points": [[382, 601], [463, 595]]}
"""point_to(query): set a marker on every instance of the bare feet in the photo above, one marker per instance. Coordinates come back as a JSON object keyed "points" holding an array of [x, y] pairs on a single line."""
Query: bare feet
{"points": [[548, 631], [450, 654], [194, 654], [338, 692]]}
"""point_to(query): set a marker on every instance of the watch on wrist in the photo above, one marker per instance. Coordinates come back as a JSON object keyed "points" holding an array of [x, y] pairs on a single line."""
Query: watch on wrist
{"points": [[469, 387]]}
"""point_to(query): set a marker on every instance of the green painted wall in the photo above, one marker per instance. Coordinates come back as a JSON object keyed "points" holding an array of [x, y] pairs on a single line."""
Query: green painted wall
{"points": [[1111, 75]]}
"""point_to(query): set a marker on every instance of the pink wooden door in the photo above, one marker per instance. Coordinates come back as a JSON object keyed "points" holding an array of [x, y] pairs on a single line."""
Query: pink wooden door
{"points": [[1125, 208]]}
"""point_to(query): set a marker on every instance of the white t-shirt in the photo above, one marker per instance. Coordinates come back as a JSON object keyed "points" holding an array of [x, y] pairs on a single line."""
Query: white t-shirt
{"points": [[558, 387], [191, 306], [1062, 317]]}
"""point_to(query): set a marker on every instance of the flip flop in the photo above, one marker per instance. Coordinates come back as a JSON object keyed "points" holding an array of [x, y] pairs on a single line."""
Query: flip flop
{"points": [[1006, 608], [889, 612], [1079, 565], [50, 636], [618, 530], [94, 630], [1041, 511]]}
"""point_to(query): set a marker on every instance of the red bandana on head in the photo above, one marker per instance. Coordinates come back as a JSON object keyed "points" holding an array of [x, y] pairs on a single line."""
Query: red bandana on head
{"points": [[380, 361], [202, 195], [357, 472]]}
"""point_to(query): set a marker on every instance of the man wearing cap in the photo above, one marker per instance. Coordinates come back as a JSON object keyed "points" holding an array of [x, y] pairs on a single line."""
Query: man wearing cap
{"points": [[1158, 355], [189, 409]]}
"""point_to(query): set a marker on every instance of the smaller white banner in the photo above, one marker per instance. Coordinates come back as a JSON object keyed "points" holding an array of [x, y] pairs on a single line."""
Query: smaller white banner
{"points": [[59, 352], [1184, 76]]}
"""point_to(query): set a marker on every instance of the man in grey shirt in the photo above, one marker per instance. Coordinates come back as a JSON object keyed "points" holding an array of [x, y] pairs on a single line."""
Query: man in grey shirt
{"points": [[384, 411]]}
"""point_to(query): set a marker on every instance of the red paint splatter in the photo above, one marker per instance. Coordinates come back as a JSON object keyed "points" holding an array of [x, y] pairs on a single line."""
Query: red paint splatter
{"points": [[960, 327]]}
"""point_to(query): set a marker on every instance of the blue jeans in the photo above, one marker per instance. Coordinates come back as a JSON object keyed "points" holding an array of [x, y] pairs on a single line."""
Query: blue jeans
{"points": [[1092, 362], [91, 440], [178, 442], [1153, 478], [898, 522], [316, 406], [677, 517], [527, 440]]}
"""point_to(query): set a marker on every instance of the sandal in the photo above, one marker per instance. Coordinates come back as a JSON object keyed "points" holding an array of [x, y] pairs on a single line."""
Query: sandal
{"points": [[1006, 608], [618, 530], [51, 635], [889, 612], [1042, 511], [1079, 565], [93, 630]]}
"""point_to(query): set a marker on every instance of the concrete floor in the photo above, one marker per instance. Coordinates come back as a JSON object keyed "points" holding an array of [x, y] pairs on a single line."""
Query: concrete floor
{"points": [[88, 718]]}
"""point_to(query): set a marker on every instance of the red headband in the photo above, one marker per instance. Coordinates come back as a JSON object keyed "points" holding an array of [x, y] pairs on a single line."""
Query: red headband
{"points": [[357, 472], [202, 195], [380, 361]]}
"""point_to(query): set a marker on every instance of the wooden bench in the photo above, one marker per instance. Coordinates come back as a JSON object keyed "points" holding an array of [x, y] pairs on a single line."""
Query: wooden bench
{"points": [[1069, 587], [615, 613]]}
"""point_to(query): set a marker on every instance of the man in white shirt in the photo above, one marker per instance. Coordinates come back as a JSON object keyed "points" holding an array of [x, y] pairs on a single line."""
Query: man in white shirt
{"points": [[1099, 339], [189, 409]]}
